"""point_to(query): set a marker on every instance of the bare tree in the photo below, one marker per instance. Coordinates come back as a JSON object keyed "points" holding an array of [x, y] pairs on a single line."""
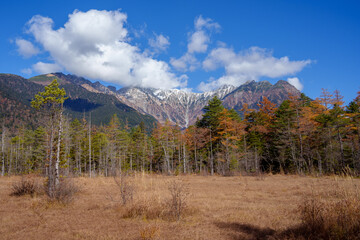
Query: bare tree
{"points": [[3, 150]]}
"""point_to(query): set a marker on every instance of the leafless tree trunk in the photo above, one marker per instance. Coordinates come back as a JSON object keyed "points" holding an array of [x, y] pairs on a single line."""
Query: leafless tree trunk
{"points": [[151, 155], [90, 169], [167, 160], [211, 156], [10, 158], [341, 149], [67, 143], [50, 167], [3, 150], [57, 174], [319, 163], [184, 157], [256, 161], [246, 155], [195, 158], [131, 162]]}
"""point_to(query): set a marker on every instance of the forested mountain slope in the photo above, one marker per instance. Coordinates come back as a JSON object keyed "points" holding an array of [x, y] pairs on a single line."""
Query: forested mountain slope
{"points": [[16, 94]]}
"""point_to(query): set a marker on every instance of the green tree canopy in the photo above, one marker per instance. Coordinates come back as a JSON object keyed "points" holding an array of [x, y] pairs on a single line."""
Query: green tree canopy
{"points": [[53, 97], [212, 114]]}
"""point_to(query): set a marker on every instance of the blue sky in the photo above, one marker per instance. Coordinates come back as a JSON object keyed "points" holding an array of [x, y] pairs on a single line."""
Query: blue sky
{"points": [[198, 45]]}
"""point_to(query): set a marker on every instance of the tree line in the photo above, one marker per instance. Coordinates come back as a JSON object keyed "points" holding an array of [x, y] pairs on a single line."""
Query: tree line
{"points": [[301, 136]]}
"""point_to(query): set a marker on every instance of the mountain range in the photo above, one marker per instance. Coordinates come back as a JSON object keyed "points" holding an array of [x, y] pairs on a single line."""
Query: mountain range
{"points": [[17, 92], [132, 104]]}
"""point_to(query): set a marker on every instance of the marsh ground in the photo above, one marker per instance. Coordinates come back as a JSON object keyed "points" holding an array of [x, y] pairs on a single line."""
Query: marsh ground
{"points": [[235, 207]]}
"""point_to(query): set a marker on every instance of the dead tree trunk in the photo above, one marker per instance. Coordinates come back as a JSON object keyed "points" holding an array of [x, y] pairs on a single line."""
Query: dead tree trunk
{"points": [[3, 151], [57, 174], [90, 170]]}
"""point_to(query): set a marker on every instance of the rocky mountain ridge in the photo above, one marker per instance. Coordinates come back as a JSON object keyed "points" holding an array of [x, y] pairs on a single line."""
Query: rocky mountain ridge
{"points": [[180, 107], [184, 107]]}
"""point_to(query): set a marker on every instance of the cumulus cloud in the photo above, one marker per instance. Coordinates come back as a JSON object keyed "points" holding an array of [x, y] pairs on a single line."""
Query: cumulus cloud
{"points": [[43, 68], [185, 62], [201, 23], [26, 48], [200, 39], [250, 64], [198, 42], [159, 43], [296, 83], [26, 71], [95, 44]]}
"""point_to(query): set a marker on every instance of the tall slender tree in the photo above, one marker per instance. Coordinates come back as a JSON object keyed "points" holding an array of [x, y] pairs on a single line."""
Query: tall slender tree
{"points": [[51, 102], [3, 134]]}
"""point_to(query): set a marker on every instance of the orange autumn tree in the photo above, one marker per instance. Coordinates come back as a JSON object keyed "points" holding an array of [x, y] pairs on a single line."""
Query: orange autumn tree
{"points": [[245, 153], [267, 108], [230, 132], [307, 129], [304, 126], [259, 129], [333, 127], [196, 140], [340, 125]]}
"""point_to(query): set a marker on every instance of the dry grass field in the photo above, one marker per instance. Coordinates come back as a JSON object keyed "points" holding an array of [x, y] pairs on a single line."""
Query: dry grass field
{"points": [[216, 208]]}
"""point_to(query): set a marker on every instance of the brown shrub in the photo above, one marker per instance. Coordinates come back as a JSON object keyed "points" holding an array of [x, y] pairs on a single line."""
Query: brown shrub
{"points": [[153, 207], [126, 188], [64, 192], [146, 209], [335, 217], [177, 202], [27, 185]]}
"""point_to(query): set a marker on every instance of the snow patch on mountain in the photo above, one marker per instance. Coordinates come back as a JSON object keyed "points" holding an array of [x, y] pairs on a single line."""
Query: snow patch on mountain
{"points": [[179, 106]]}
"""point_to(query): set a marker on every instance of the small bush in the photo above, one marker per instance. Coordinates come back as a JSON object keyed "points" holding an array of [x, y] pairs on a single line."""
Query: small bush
{"points": [[178, 200], [126, 188], [64, 192], [147, 209], [337, 217], [153, 207], [27, 185]]}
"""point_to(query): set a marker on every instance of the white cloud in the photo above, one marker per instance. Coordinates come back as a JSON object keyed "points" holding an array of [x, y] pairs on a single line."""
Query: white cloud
{"points": [[95, 44], [185, 62], [200, 39], [251, 64], [208, 23], [296, 83], [26, 71], [26, 48], [198, 42], [43, 68], [159, 43], [219, 57]]}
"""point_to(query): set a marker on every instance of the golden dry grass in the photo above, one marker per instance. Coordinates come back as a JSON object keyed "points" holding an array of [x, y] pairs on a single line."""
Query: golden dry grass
{"points": [[218, 208]]}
